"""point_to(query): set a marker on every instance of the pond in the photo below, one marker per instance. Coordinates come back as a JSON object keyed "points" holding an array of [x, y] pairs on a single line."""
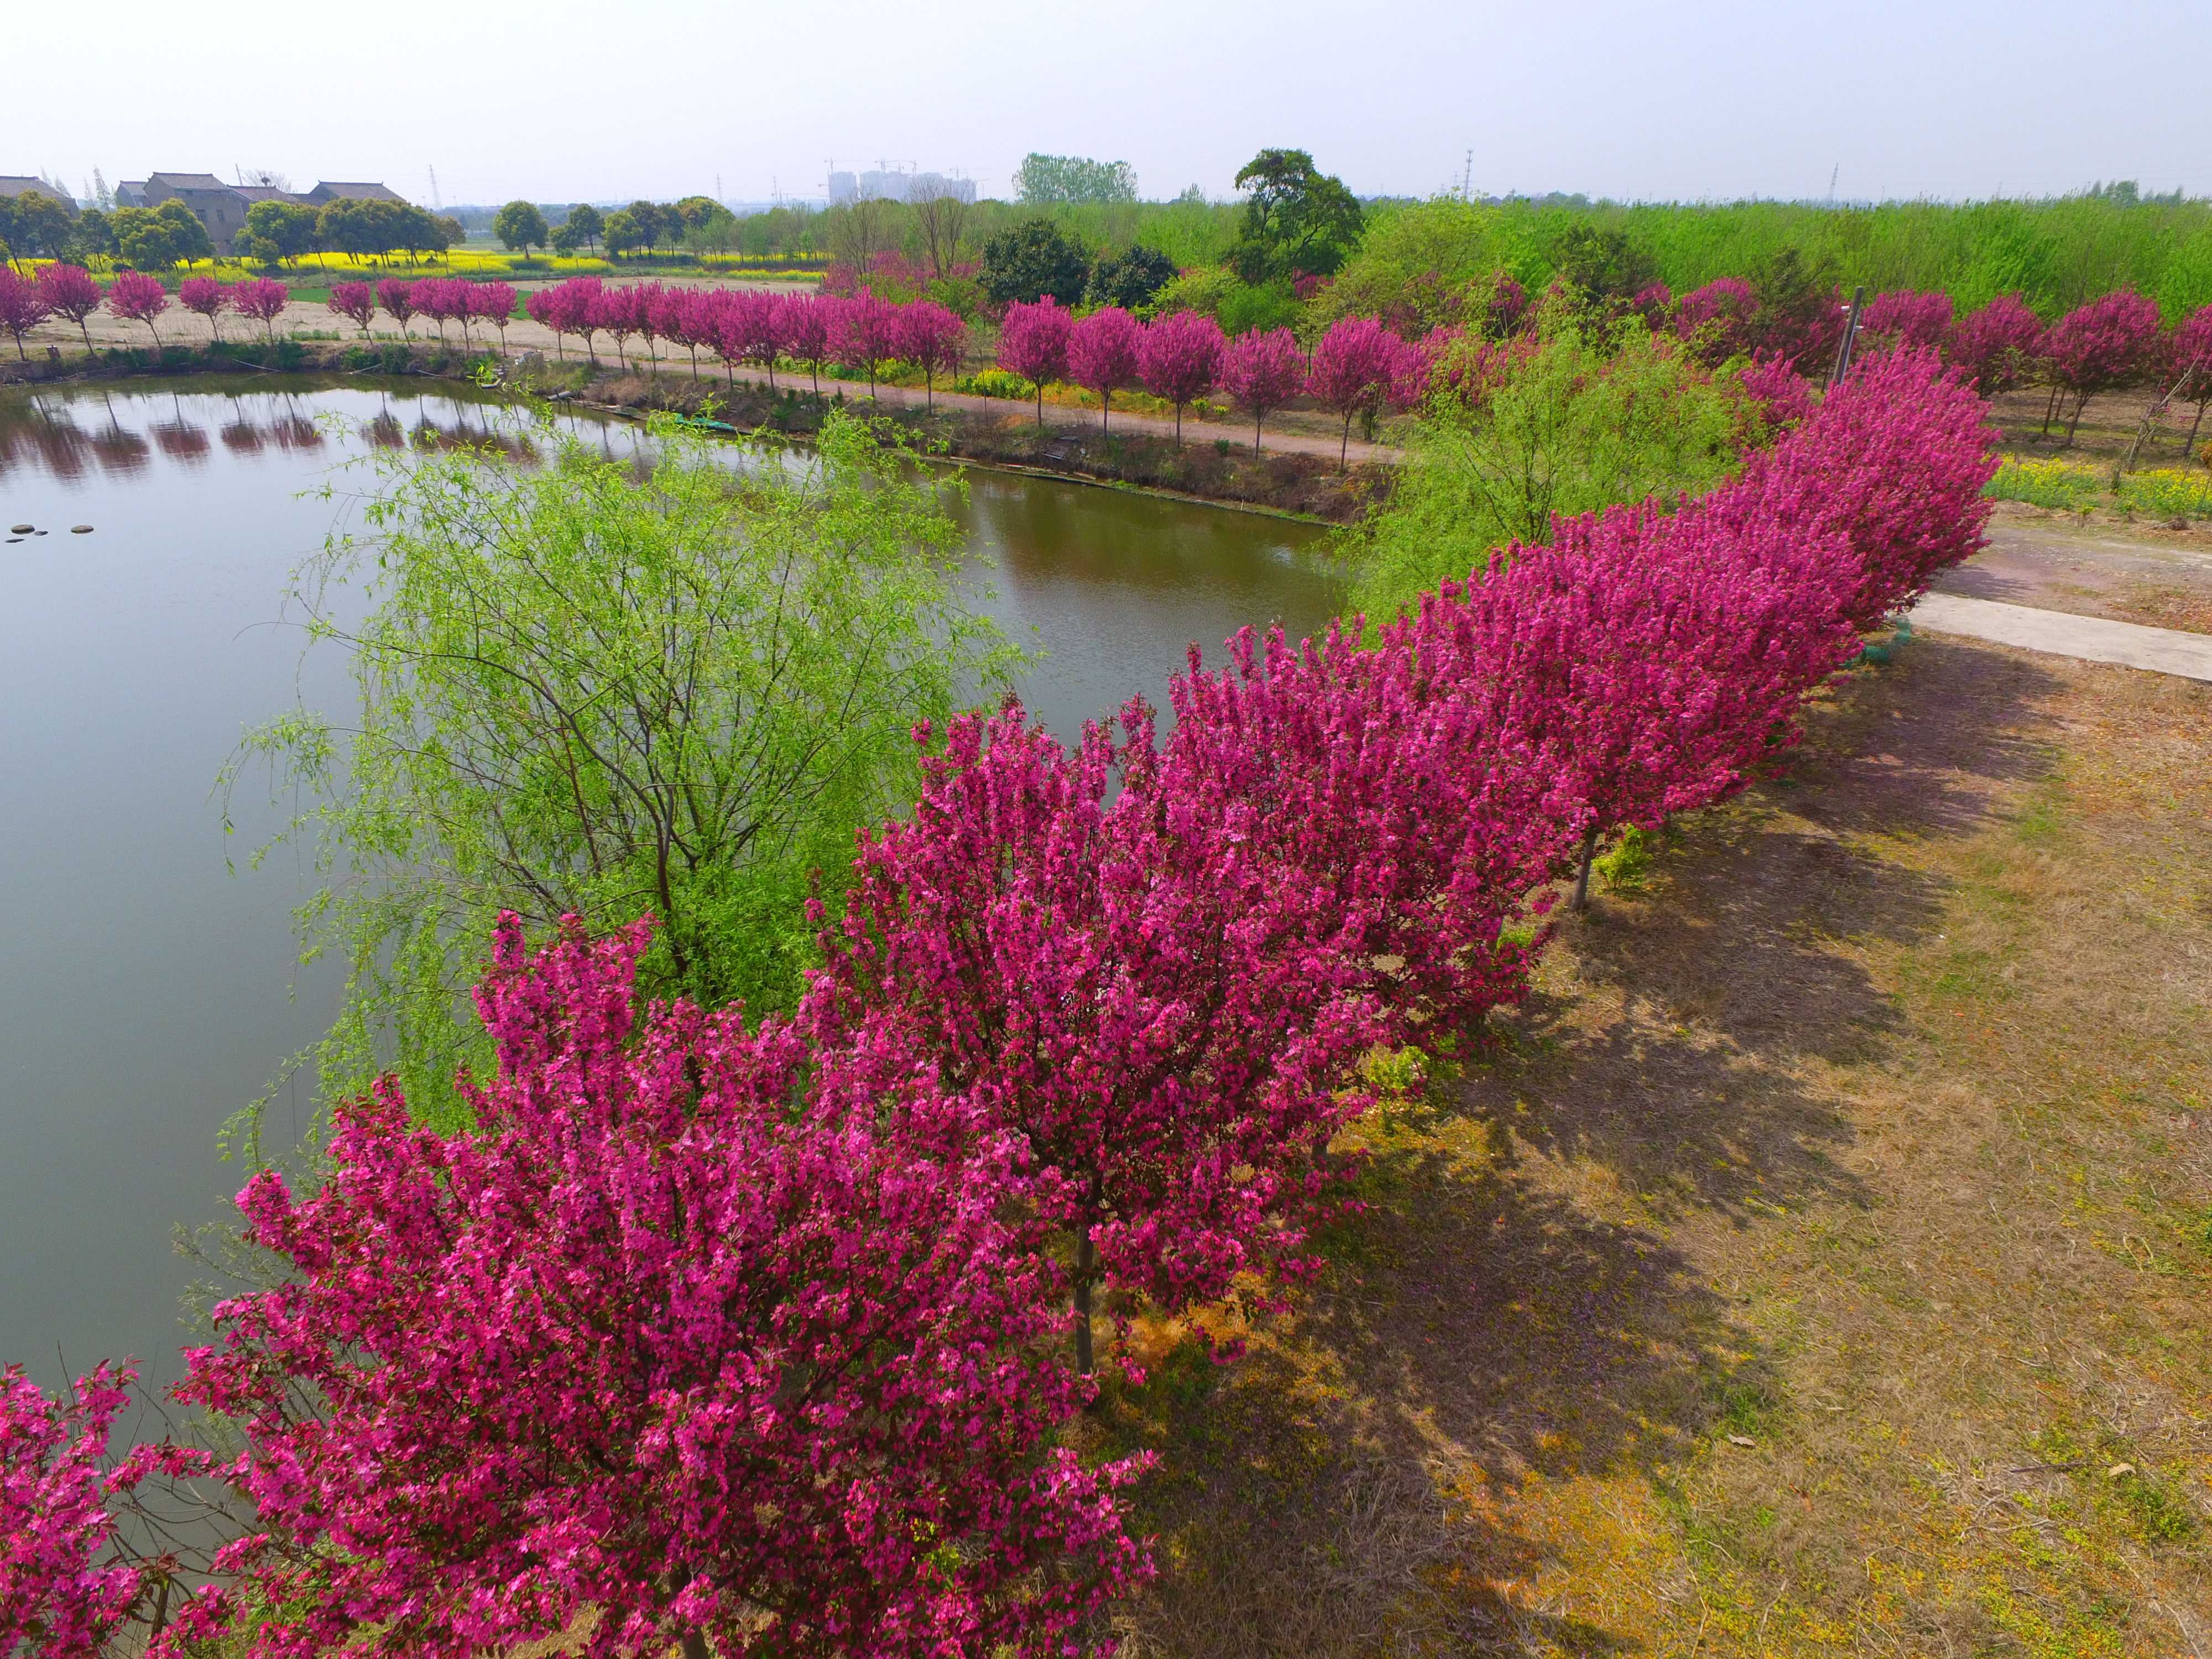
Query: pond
{"points": [[150, 989]]}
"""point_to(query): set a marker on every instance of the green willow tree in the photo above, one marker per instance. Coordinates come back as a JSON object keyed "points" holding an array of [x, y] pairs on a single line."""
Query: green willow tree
{"points": [[1590, 414], [610, 690]]}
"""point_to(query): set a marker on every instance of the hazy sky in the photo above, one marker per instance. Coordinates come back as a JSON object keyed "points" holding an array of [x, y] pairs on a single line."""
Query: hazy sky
{"points": [[559, 100]]}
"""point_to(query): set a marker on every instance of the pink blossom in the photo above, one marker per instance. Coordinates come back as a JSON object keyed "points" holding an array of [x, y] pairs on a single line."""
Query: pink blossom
{"points": [[137, 298], [1179, 358], [1263, 370], [1102, 354], [1033, 343]]}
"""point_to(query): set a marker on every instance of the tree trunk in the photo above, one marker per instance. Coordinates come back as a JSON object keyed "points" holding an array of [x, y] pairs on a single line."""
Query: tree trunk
{"points": [[1344, 447], [2050, 408], [1178, 426], [1581, 900], [1105, 403], [695, 1646], [2188, 444], [1256, 418], [1086, 1264]]}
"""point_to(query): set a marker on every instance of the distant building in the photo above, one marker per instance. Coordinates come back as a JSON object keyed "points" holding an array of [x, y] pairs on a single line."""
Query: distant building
{"points": [[885, 184], [328, 192], [254, 193], [131, 193], [13, 184], [220, 207]]}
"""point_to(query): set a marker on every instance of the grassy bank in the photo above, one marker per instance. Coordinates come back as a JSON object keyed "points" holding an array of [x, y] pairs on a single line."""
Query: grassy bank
{"points": [[1817, 1265]]}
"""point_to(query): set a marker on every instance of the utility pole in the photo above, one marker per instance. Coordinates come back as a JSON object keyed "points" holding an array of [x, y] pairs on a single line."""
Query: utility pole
{"points": [[1467, 178], [1832, 177], [437, 203]]}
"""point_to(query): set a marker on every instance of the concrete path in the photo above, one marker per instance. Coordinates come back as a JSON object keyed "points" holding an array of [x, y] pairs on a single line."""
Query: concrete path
{"points": [[2093, 638]]}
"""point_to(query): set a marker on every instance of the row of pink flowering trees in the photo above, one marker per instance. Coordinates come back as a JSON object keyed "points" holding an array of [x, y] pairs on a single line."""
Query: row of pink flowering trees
{"points": [[752, 1337], [2115, 340], [859, 330], [1357, 368]]}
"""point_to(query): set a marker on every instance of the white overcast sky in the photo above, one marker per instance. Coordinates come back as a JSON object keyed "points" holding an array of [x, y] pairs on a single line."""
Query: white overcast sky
{"points": [[562, 100]]}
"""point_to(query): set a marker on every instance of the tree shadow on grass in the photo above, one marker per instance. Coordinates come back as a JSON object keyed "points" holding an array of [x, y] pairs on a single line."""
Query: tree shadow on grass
{"points": [[1492, 1322]]}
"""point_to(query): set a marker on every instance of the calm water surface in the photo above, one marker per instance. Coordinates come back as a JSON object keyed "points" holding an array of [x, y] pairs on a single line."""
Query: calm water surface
{"points": [[146, 991]]}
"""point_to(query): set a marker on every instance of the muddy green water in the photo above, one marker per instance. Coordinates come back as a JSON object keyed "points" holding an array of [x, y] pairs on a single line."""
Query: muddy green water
{"points": [[146, 990]]}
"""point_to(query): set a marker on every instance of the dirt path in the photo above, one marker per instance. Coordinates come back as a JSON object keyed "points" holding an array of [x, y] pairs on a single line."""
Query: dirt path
{"points": [[2091, 639], [2159, 578]]}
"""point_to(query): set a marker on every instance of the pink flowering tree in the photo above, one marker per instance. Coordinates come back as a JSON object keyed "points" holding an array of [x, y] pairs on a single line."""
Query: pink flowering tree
{"points": [[755, 318], [397, 299], [356, 302], [1905, 317], [70, 292], [647, 314], [614, 311], [574, 307], [135, 297], [1102, 354], [69, 1584], [206, 297], [1358, 367], [1179, 358], [23, 306], [1997, 345], [1717, 321], [803, 327], [1033, 343], [863, 332], [1263, 369], [2109, 342], [493, 303], [263, 299], [2189, 359], [929, 335], [696, 1331]]}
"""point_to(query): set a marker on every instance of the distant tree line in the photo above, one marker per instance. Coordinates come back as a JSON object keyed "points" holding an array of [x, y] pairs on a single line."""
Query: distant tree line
{"points": [[34, 226]]}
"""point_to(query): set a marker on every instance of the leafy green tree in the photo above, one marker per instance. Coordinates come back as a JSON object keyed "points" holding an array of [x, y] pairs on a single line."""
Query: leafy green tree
{"points": [[92, 237], [40, 226], [1598, 412], [1600, 265], [1050, 181], [156, 238], [1026, 261], [1130, 279], [567, 238], [715, 231], [520, 226], [585, 691], [192, 237], [588, 224], [655, 224], [439, 233], [279, 233], [1299, 220], [622, 233], [692, 212]]}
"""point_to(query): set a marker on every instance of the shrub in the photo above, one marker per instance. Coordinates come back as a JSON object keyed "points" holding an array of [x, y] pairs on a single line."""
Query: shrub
{"points": [[1585, 416]]}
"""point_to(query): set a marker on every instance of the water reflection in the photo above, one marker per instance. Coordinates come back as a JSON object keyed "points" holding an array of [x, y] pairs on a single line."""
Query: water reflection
{"points": [[37, 436]]}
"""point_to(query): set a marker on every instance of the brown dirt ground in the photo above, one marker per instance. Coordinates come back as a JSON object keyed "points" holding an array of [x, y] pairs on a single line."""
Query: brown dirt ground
{"points": [[1818, 1266]]}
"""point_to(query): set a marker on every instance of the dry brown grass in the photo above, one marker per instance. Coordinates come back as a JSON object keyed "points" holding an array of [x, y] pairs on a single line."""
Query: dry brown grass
{"points": [[1832, 1222]]}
